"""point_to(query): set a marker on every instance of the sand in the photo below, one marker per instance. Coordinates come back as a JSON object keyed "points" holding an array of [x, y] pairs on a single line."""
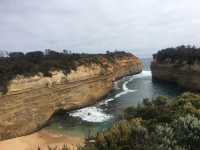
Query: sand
{"points": [[41, 139]]}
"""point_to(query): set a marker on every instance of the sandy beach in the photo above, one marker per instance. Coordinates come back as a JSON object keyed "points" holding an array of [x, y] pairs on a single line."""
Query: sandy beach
{"points": [[41, 139]]}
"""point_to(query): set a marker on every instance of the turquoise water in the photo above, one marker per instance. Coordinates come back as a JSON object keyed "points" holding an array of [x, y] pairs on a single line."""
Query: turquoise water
{"points": [[127, 92]]}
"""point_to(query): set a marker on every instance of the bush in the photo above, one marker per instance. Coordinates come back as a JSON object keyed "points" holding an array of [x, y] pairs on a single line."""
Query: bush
{"points": [[187, 132], [158, 124], [32, 63], [178, 55]]}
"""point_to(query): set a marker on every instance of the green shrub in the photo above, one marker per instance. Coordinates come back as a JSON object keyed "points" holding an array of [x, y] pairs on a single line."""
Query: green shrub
{"points": [[32, 63], [187, 132], [158, 124], [179, 55]]}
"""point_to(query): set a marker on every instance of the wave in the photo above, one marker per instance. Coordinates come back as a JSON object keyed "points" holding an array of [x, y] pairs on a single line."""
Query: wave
{"points": [[125, 89], [95, 114], [116, 85], [120, 94], [143, 74], [91, 114], [105, 102]]}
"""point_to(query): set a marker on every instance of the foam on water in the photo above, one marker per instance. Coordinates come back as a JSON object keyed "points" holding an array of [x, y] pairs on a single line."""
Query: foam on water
{"points": [[143, 74], [116, 85], [125, 89], [95, 114], [105, 102], [91, 114]]}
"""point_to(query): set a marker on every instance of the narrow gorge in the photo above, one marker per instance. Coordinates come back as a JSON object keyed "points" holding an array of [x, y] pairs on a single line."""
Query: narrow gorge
{"points": [[31, 101]]}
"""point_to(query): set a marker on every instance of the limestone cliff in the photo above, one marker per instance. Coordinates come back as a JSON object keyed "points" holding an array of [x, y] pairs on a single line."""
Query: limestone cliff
{"points": [[184, 74], [31, 101]]}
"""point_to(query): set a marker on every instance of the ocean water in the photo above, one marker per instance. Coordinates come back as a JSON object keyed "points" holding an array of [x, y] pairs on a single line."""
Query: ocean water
{"points": [[129, 91]]}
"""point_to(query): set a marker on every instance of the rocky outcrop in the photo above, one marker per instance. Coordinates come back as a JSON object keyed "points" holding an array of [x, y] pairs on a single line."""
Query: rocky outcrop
{"points": [[31, 101], [185, 75]]}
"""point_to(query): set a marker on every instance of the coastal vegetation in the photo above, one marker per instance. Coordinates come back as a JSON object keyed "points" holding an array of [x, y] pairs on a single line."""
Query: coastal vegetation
{"points": [[181, 54], [32, 63], [157, 124]]}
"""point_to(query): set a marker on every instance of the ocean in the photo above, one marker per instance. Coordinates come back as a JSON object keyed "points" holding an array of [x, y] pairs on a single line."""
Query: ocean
{"points": [[129, 91]]}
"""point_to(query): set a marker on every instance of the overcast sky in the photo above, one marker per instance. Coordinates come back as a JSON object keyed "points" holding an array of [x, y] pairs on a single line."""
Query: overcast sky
{"points": [[142, 26]]}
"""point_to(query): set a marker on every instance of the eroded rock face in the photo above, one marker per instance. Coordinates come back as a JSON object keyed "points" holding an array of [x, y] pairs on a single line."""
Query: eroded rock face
{"points": [[30, 102], [187, 76]]}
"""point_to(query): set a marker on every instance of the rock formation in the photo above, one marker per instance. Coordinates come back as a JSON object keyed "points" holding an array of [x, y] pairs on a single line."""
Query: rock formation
{"points": [[31, 101], [177, 69]]}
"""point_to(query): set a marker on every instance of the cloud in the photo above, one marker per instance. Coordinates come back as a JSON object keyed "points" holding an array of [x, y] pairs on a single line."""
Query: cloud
{"points": [[97, 25]]}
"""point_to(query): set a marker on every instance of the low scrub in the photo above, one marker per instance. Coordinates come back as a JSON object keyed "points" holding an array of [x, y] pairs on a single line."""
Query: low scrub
{"points": [[158, 124], [178, 55], [32, 63]]}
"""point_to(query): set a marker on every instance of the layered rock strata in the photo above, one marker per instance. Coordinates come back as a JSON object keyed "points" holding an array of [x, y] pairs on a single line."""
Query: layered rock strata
{"points": [[185, 75], [31, 101]]}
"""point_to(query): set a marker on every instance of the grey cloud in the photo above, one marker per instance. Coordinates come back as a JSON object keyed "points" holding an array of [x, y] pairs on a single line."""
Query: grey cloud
{"points": [[96, 25]]}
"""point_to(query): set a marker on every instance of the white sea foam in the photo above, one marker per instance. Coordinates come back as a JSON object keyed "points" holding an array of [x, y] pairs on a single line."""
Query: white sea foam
{"points": [[120, 94], [125, 89], [143, 74], [105, 102], [91, 114], [95, 114], [116, 85]]}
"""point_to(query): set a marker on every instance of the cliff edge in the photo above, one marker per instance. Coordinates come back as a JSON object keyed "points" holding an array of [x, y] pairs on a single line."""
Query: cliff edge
{"points": [[30, 101]]}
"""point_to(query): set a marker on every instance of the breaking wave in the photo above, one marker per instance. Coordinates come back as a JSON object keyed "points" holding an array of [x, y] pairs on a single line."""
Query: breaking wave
{"points": [[143, 74], [97, 115], [105, 102], [91, 114], [125, 89]]}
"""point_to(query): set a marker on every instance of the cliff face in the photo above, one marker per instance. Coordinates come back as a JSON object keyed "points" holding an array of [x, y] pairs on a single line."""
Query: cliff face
{"points": [[30, 102], [185, 75]]}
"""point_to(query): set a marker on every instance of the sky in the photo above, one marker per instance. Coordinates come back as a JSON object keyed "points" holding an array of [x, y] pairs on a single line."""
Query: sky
{"points": [[93, 26]]}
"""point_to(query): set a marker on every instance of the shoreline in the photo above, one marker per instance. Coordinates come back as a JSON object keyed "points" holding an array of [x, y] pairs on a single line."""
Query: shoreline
{"points": [[42, 139]]}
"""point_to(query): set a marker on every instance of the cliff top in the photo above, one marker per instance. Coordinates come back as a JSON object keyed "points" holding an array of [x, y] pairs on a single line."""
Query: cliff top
{"points": [[180, 54], [32, 63]]}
